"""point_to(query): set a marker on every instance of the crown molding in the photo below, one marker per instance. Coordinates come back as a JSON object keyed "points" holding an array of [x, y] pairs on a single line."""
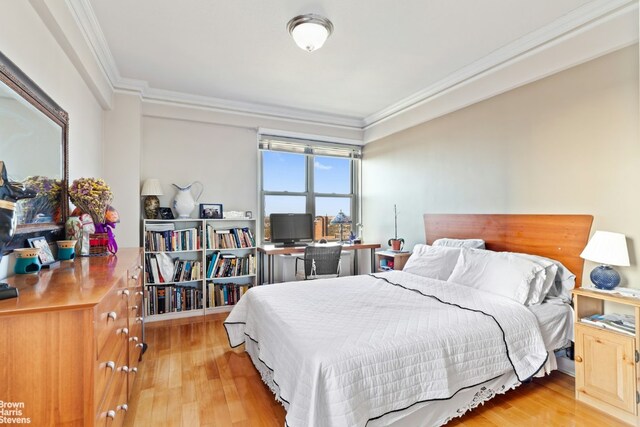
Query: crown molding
{"points": [[413, 109], [571, 22], [88, 22]]}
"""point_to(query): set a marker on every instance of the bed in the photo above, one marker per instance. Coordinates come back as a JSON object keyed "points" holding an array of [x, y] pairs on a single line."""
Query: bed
{"points": [[401, 349]]}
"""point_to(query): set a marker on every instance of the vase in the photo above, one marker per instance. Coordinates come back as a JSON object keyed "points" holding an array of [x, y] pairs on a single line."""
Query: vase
{"points": [[184, 202]]}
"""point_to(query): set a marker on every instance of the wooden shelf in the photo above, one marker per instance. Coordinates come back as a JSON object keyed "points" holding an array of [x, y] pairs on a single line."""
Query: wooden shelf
{"points": [[230, 277]]}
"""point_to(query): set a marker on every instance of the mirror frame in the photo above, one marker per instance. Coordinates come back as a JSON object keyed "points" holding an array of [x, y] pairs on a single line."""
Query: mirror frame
{"points": [[16, 79]]}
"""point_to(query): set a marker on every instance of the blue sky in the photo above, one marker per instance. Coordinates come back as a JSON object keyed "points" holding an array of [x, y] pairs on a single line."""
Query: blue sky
{"points": [[286, 172]]}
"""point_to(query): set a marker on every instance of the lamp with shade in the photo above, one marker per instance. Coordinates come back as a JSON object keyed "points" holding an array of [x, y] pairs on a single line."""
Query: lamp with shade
{"points": [[341, 219], [608, 249], [151, 189]]}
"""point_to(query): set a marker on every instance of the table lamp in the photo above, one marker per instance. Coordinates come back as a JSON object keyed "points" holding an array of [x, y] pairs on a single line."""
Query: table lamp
{"points": [[608, 249], [341, 219], [151, 189]]}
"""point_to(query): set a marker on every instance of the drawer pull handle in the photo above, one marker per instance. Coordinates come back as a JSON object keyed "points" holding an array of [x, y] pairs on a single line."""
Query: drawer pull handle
{"points": [[133, 370], [134, 307], [111, 414], [125, 292], [112, 315], [578, 359], [134, 277], [133, 339], [139, 267], [124, 331], [111, 365], [124, 407], [125, 368], [139, 319], [139, 345], [139, 293]]}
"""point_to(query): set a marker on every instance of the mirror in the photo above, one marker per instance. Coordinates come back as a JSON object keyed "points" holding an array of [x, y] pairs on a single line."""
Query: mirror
{"points": [[33, 146]]}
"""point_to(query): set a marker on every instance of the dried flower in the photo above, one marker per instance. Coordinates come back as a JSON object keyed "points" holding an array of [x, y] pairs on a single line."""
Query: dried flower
{"points": [[92, 195]]}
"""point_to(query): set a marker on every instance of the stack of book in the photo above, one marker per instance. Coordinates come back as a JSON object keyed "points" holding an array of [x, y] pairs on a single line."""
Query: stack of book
{"points": [[624, 323], [168, 299], [183, 271], [228, 265], [172, 240], [233, 238], [226, 294]]}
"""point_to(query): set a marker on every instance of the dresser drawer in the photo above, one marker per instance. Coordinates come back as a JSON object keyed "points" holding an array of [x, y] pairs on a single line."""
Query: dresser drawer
{"points": [[114, 405], [112, 356], [110, 317]]}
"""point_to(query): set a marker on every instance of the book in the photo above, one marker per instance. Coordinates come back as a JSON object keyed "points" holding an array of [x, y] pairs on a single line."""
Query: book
{"points": [[624, 323]]}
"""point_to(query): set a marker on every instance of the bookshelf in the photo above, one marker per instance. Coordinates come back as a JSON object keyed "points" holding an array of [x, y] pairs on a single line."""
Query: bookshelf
{"points": [[195, 267]]}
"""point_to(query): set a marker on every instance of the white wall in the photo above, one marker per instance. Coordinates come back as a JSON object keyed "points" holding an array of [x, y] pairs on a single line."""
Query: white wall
{"points": [[122, 156], [26, 41], [565, 144], [223, 158]]}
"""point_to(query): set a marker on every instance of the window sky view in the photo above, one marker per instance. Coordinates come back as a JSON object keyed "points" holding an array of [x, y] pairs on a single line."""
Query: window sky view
{"points": [[286, 172]]}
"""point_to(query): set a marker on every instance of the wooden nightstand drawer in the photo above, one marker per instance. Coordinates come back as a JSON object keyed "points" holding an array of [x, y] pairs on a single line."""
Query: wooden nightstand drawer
{"points": [[606, 367]]}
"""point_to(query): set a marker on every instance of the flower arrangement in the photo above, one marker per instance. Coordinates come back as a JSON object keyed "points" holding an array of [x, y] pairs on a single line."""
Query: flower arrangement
{"points": [[93, 196], [46, 203]]}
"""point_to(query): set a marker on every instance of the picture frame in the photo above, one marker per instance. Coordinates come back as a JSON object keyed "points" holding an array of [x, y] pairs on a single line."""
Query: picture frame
{"points": [[248, 214], [45, 255], [211, 211], [165, 213]]}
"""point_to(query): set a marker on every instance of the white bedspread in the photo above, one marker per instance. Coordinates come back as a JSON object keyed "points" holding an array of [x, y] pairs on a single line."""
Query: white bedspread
{"points": [[348, 350]]}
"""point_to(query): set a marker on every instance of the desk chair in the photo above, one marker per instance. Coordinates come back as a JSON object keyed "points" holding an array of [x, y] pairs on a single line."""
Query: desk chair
{"points": [[319, 261]]}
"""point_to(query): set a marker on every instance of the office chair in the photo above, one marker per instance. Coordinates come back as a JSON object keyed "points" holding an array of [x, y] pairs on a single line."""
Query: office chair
{"points": [[319, 261]]}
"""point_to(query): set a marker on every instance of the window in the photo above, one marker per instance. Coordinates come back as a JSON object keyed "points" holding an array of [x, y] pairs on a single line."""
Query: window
{"points": [[308, 177]]}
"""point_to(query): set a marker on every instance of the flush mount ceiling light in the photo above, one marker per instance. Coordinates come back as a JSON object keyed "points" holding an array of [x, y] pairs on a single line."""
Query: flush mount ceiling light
{"points": [[310, 31]]}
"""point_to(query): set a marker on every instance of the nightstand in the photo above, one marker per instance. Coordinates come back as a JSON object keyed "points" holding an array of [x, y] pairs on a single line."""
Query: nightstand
{"points": [[606, 360], [389, 260]]}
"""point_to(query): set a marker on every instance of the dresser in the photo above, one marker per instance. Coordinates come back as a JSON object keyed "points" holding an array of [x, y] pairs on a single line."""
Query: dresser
{"points": [[71, 342]]}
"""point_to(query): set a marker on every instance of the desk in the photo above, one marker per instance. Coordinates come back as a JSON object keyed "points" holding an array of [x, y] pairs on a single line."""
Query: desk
{"points": [[271, 250]]}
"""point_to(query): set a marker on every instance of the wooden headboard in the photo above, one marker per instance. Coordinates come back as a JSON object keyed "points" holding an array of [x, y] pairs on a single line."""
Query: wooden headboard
{"points": [[560, 237]]}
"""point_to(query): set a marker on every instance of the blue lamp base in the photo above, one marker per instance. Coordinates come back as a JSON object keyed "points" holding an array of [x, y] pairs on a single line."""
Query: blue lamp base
{"points": [[605, 277]]}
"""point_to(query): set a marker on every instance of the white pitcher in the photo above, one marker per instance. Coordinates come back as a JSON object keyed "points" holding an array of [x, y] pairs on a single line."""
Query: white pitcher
{"points": [[184, 203]]}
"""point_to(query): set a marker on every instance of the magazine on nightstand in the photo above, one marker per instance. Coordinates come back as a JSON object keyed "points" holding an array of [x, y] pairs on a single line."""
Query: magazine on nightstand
{"points": [[624, 323]]}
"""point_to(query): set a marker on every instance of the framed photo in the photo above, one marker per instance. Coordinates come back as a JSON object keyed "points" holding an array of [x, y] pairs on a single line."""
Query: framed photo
{"points": [[165, 213], [210, 211], [248, 214], [45, 256]]}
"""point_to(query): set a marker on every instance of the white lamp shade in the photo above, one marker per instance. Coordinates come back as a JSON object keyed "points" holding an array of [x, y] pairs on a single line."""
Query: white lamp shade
{"points": [[607, 248], [151, 187], [309, 36]]}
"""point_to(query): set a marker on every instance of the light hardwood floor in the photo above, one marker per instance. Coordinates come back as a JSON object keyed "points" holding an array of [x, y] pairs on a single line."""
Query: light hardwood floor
{"points": [[190, 377]]}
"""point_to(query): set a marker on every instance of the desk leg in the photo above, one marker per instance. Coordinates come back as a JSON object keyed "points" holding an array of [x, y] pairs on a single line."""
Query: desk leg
{"points": [[261, 269], [271, 268], [355, 262], [373, 260]]}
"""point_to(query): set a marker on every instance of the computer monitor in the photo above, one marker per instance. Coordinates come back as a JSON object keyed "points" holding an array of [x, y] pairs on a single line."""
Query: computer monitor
{"points": [[289, 229]]}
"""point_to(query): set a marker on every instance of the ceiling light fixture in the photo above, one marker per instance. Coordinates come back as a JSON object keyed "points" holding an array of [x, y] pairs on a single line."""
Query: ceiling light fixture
{"points": [[310, 31]]}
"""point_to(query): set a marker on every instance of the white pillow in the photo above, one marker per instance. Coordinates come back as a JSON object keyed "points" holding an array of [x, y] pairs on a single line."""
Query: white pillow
{"points": [[460, 243], [543, 280], [501, 273], [432, 261], [564, 283]]}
